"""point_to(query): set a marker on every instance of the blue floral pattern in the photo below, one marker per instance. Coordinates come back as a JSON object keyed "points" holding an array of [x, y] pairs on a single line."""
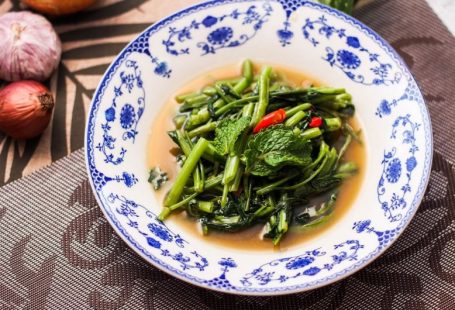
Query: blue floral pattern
{"points": [[220, 36], [341, 42], [305, 265], [411, 93], [127, 116], [289, 6], [393, 170], [160, 232], [220, 33], [209, 21], [347, 60], [394, 203], [130, 88], [221, 281], [353, 42], [384, 237], [156, 234], [142, 45], [350, 60], [100, 179]]}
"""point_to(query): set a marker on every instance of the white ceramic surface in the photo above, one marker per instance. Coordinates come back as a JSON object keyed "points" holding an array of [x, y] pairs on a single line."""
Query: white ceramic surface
{"points": [[332, 47]]}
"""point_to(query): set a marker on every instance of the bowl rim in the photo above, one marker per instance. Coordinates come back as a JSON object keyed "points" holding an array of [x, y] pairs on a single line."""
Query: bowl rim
{"points": [[346, 272]]}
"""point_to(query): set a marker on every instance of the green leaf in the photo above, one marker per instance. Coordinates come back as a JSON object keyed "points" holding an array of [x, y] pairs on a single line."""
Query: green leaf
{"points": [[319, 185], [261, 168], [276, 159], [342, 5], [227, 133], [325, 183], [323, 214], [157, 178], [275, 147]]}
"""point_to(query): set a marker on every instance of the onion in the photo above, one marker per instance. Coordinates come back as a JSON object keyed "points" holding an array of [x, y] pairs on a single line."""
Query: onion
{"points": [[25, 109], [58, 7], [29, 47]]}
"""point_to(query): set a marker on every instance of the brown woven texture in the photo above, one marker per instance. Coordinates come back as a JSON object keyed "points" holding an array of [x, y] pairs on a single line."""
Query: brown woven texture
{"points": [[58, 252], [90, 41]]}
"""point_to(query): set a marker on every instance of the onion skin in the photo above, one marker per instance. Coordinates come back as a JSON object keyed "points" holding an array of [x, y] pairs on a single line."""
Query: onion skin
{"points": [[25, 109], [58, 7], [30, 49]]}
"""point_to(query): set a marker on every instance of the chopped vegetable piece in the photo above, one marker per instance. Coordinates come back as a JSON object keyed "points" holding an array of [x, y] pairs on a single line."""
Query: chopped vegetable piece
{"points": [[157, 178], [315, 216], [311, 133], [332, 124], [315, 122], [302, 107], [188, 167], [261, 105], [295, 119], [276, 117]]}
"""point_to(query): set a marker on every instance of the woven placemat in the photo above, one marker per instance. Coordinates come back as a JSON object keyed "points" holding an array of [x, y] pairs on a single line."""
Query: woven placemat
{"points": [[58, 252], [90, 41]]}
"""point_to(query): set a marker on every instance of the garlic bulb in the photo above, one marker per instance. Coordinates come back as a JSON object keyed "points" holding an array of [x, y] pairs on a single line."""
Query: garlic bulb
{"points": [[58, 7], [30, 47], [25, 109]]}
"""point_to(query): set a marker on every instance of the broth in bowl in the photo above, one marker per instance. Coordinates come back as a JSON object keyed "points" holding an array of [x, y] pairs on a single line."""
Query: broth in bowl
{"points": [[328, 140]]}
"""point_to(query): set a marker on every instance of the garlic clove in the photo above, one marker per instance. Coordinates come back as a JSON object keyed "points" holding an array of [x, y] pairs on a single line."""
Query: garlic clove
{"points": [[30, 49]]}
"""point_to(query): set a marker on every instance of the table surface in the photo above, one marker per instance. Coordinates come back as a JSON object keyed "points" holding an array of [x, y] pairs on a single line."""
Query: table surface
{"points": [[43, 238], [90, 41]]}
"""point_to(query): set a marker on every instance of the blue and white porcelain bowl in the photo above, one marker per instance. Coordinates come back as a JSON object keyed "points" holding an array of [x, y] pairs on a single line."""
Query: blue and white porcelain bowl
{"points": [[312, 38]]}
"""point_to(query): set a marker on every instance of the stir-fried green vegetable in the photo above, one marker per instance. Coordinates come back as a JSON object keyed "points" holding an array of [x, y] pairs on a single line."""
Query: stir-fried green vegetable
{"points": [[256, 150]]}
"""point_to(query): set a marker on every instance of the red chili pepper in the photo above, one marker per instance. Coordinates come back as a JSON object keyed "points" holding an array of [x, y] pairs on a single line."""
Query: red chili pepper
{"points": [[273, 118], [315, 122]]}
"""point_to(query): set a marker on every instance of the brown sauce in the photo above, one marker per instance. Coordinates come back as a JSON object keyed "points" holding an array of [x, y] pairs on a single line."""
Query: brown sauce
{"points": [[159, 154]]}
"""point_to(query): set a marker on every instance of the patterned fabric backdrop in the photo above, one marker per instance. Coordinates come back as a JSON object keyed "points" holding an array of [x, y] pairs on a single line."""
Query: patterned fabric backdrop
{"points": [[90, 42], [58, 252]]}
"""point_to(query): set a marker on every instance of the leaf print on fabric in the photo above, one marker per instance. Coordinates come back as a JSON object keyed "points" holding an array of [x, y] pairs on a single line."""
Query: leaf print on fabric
{"points": [[83, 196], [94, 51], [103, 12], [74, 82], [102, 32], [79, 230], [37, 283], [10, 297], [21, 151], [122, 276], [402, 44]]}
